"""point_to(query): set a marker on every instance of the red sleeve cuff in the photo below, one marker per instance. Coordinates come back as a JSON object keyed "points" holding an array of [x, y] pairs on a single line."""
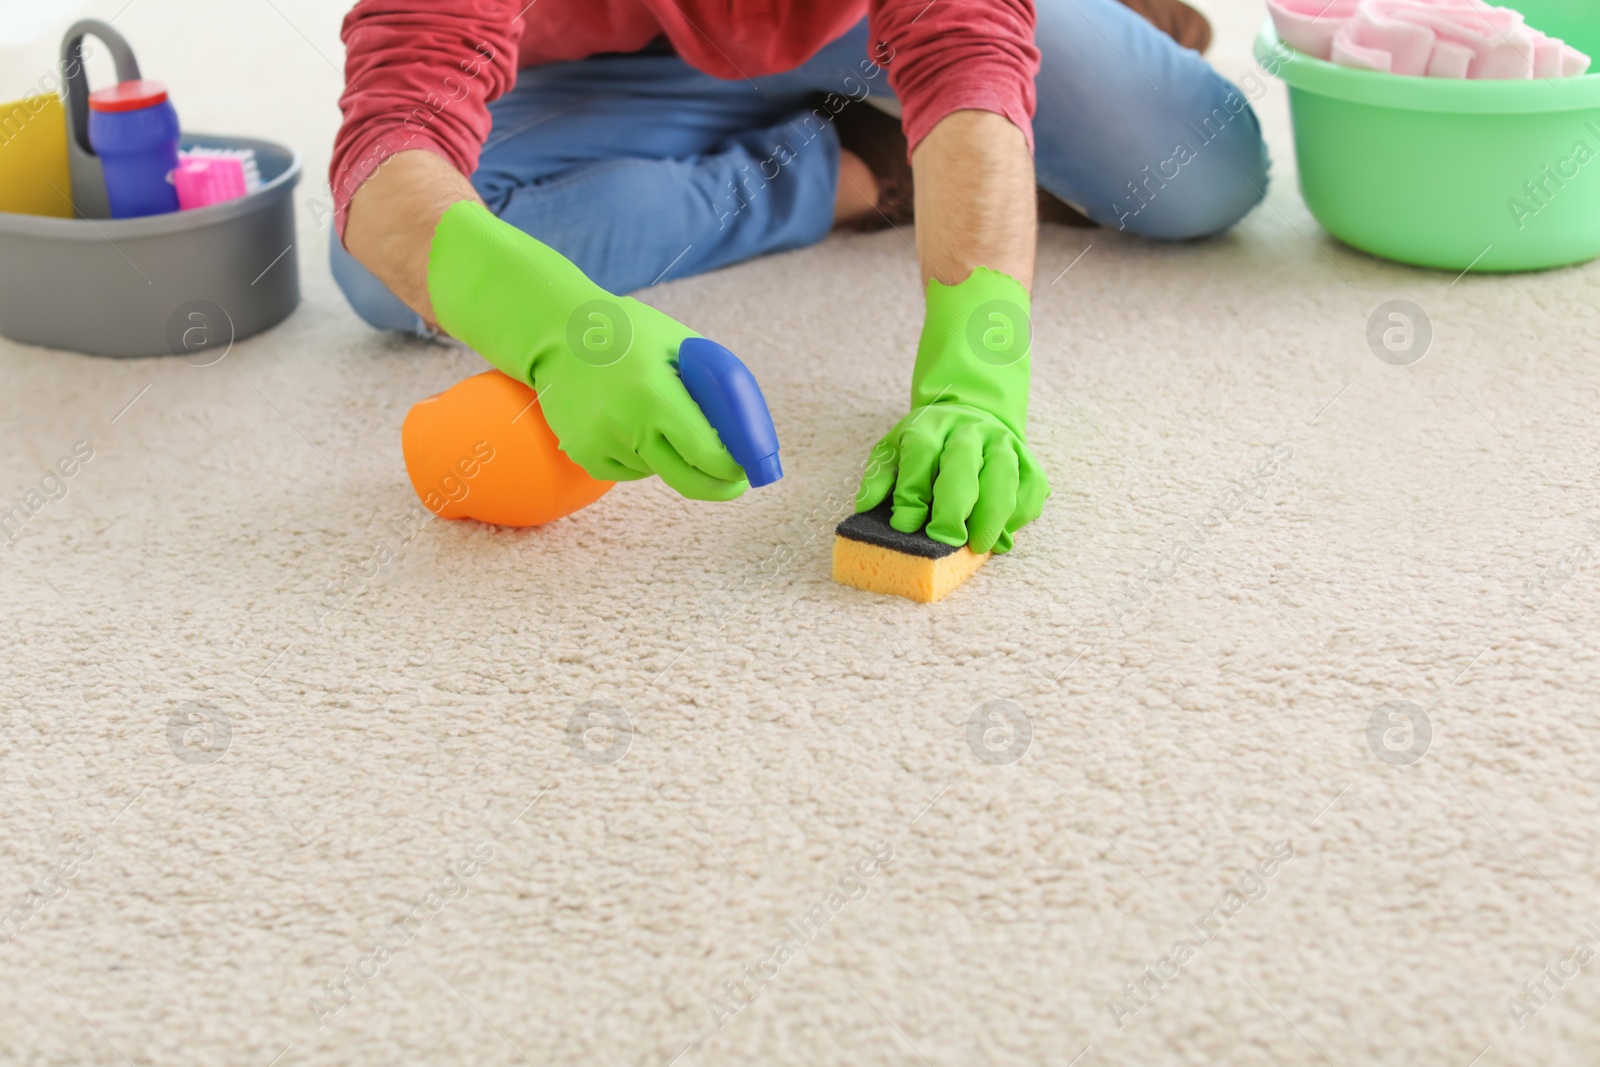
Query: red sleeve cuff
{"points": [[419, 75], [957, 55], [920, 117]]}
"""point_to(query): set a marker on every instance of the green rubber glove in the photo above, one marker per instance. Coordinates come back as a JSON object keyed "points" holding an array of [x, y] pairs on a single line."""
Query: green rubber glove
{"points": [[960, 455], [605, 367]]}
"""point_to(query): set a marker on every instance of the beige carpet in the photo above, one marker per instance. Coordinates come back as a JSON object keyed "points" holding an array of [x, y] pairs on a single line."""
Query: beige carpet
{"points": [[258, 723]]}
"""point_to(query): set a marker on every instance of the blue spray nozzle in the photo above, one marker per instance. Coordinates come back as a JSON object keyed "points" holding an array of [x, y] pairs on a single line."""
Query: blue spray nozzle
{"points": [[732, 402]]}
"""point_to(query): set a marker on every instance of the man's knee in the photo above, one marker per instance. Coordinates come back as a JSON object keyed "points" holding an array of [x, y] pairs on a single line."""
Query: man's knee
{"points": [[1211, 178]]}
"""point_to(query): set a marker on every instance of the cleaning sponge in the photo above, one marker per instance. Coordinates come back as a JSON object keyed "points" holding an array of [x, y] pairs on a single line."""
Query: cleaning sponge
{"points": [[870, 554]]}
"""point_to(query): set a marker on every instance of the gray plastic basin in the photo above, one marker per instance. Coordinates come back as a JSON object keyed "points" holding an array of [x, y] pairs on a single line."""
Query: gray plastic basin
{"points": [[188, 283]]}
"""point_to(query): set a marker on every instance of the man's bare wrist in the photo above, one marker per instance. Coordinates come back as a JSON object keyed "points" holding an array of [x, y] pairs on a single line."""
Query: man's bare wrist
{"points": [[975, 198], [392, 217]]}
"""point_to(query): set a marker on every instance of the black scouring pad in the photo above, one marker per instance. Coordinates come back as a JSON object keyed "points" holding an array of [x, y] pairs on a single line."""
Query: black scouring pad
{"points": [[873, 528]]}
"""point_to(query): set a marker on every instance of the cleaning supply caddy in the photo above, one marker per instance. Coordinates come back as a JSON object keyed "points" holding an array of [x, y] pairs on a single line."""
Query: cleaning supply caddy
{"points": [[186, 283]]}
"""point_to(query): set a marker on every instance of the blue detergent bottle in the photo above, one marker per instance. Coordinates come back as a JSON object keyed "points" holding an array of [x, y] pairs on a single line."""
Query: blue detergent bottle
{"points": [[133, 129], [731, 400]]}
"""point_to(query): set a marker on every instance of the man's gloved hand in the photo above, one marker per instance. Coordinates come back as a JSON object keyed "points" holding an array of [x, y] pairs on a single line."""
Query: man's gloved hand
{"points": [[605, 367], [961, 448]]}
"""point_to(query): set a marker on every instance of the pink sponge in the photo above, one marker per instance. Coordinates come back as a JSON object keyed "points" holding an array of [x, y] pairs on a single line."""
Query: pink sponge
{"points": [[1425, 38], [1309, 25], [203, 181]]}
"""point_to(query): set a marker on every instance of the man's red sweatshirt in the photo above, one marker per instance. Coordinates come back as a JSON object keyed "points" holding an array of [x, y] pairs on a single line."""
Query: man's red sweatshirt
{"points": [[419, 74]]}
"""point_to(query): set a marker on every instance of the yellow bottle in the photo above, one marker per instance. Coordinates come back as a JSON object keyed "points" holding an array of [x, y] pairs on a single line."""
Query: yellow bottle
{"points": [[34, 175]]}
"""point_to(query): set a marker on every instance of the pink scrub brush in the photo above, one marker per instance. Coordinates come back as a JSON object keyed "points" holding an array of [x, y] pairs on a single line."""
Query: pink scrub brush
{"points": [[203, 181]]}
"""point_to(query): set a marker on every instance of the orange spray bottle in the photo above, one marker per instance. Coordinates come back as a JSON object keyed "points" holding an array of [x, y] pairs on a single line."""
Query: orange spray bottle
{"points": [[482, 449]]}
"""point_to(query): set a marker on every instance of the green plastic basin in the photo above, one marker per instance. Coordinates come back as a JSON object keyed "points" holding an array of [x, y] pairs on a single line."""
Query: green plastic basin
{"points": [[1491, 175]]}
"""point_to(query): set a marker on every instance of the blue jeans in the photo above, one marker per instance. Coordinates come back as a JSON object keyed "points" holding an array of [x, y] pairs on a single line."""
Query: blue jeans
{"points": [[639, 168]]}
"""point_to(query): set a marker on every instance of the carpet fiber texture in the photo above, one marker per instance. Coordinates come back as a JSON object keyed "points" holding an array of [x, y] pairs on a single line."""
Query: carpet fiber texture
{"points": [[1273, 741]]}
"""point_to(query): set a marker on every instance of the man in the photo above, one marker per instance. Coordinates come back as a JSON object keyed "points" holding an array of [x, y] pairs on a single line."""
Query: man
{"points": [[505, 167]]}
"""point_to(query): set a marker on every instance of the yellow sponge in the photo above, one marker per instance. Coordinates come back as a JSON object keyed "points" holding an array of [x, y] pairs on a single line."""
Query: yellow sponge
{"points": [[870, 554]]}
